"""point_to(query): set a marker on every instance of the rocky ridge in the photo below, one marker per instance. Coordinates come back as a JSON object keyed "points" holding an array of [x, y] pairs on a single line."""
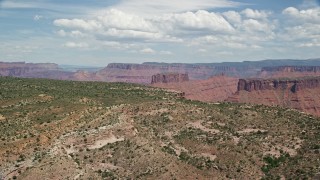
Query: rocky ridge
{"points": [[169, 78], [299, 93], [269, 84], [292, 69], [21, 69], [288, 71], [214, 89]]}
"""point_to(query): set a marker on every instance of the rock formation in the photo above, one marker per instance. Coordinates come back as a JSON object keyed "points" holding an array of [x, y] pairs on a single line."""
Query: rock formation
{"points": [[22, 69], [289, 71], [273, 84], [292, 69], [299, 93], [169, 78], [214, 89]]}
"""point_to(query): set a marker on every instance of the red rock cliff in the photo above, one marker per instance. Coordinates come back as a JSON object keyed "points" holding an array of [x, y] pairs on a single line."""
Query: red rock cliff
{"points": [[300, 93], [272, 84], [169, 78], [22, 69], [292, 69]]}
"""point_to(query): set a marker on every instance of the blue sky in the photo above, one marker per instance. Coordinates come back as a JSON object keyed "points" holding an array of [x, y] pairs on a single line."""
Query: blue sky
{"points": [[95, 32]]}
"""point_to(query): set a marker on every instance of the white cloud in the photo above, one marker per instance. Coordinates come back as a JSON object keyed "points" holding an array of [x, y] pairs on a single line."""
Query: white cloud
{"points": [[73, 34], [232, 17], [62, 33], [117, 19], [75, 45], [255, 14], [130, 35], [14, 4], [302, 28], [255, 25], [120, 46], [156, 7], [147, 51], [310, 44], [37, 17], [77, 34], [114, 24], [200, 20], [89, 25], [206, 32], [311, 15]]}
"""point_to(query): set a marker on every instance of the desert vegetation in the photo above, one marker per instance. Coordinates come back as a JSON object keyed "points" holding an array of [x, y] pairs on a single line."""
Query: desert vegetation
{"points": [[81, 130]]}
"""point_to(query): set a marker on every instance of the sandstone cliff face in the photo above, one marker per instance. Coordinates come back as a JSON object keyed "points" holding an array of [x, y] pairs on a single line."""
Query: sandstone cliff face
{"points": [[214, 89], [169, 78], [289, 71], [300, 94], [22, 69], [142, 73], [292, 69], [273, 84], [131, 66]]}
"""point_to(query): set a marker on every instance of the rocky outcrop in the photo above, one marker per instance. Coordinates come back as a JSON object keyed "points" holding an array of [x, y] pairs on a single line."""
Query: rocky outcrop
{"points": [[141, 73], [22, 69], [298, 93], [128, 66], [272, 84], [214, 89], [289, 71], [292, 69], [169, 78]]}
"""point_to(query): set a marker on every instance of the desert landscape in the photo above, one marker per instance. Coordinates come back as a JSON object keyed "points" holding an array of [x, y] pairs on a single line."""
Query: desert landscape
{"points": [[175, 126], [168, 90], [60, 130]]}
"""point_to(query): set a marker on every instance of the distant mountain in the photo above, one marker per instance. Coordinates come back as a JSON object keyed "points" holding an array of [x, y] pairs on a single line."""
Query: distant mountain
{"points": [[142, 73], [75, 68]]}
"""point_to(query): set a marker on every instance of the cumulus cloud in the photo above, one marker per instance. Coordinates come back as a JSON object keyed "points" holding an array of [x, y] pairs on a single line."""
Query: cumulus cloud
{"points": [[311, 15], [16, 5], [73, 34], [75, 45], [77, 34], [61, 33], [115, 24], [89, 25], [147, 51], [310, 44], [37, 17], [303, 27], [200, 20], [156, 7], [255, 14], [232, 17], [234, 30], [254, 25], [117, 19]]}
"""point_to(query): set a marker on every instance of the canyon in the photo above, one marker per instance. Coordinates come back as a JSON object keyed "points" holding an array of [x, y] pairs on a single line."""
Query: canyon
{"points": [[142, 73], [170, 124], [286, 83]]}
